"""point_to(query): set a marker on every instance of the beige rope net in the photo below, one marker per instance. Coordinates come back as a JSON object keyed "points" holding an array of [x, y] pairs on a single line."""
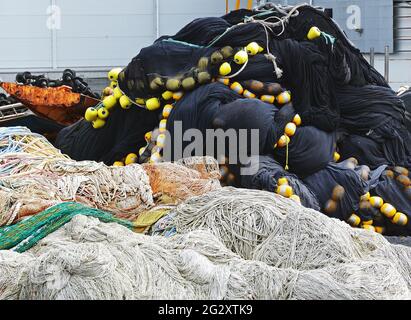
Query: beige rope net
{"points": [[87, 259]]}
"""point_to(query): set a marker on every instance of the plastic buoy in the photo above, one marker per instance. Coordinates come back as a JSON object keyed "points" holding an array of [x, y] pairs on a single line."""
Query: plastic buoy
{"points": [[241, 57], [354, 220], [285, 191], [379, 229], [107, 91], [313, 33], [227, 52], [98, 123], [109, 102], [156, 84], [267, 98], [224, 81], [368, 227], [235, 86], [282, 181], [283, 141], [125, 102], [388, 174], [155, 157], [338, 193], [203, 77], [118, 164], [387, 209], [400, 219], [167, 110], [152, 104], [141, 150], [91, 114], [103, 113], [202, 64], [365, 197], [336, 156], [117, 93], [113, 84], [167, 95], [161, 140], [163, 125], [140, 101], [404, 180], [147, 136], [188, 83], [297, 120], [248, 94], [252, 48], [216, 57], [368, 222], [113, 74], [284, 97], [260, 49], [330, 206], [295, 198], [401, 171], [376, 202], [178, 95], [225, 69], [173, 84], [290, 129], [131, 158]]}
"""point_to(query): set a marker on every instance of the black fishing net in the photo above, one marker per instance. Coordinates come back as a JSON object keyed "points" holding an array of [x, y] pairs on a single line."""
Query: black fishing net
{"points": [[122, 134], [268, 171]]}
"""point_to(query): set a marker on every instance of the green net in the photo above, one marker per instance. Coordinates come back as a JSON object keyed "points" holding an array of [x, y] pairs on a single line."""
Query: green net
{"points": [[26, 233]]}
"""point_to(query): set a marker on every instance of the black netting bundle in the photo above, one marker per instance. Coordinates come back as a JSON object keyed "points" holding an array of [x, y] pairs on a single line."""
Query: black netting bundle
{"points": [[268, 171], [343, 103], [406, 98], [122, 134], [393, 186], [361, 73], [310, 68], [338, 188], [377, 114]]}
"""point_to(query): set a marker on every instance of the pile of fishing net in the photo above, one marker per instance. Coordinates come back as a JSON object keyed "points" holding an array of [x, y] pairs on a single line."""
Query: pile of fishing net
{"points": [[34, 175], [330, 129], [232, 244]]}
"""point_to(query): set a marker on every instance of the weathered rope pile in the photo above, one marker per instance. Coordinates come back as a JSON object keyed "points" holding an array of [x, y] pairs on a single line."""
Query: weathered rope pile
{"points": [[262, 226], [123, 191], [25, 234], [176, 182], [21, 139], [88, 259]]}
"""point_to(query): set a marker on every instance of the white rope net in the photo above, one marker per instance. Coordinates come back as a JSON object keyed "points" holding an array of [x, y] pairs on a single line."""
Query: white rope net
{"points": [[87, 259]]}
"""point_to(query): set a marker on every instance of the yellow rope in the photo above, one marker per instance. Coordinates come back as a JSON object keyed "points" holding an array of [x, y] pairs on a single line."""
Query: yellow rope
{"points": [[286, 158]]}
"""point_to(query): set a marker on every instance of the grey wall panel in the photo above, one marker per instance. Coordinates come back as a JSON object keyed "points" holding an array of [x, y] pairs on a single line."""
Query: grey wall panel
{"points": [[176, 14], [103, 33], [376, 21], [25, 40]]}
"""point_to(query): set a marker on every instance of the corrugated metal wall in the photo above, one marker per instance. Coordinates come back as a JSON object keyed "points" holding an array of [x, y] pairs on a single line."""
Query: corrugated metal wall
{"points": [[400, 60], [402, 26]]}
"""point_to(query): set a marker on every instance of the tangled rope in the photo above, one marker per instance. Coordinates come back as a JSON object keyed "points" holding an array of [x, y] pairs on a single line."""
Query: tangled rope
{"points": [[88, 259]]}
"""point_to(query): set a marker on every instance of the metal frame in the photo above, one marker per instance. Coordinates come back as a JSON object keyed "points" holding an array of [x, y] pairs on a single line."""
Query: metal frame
{"points": [[14, 111]]}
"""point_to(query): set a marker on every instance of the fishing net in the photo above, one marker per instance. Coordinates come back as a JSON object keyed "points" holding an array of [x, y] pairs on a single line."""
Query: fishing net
{"points": [[266, 227], [88, 259], [172, 183], [124, 191], [21, 139], [25, 234], [268, 171]]}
